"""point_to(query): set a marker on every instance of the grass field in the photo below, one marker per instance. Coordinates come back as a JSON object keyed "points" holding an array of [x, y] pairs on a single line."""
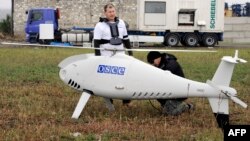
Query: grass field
{"points": [[36, 105]]}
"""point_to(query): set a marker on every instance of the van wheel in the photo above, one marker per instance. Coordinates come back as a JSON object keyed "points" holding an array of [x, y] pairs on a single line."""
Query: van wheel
{"points": [[209, 40], [183, 42], [45, 42], [172, 40], [191, 40]]}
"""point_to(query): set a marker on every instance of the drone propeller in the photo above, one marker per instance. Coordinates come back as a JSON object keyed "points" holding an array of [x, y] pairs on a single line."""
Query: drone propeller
{"points": [[108, 49], [39, 45], [170, 50], [230, 96]]}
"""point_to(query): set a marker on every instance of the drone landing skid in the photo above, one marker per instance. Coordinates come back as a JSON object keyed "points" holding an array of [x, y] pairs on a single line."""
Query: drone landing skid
{"points": [[109, 104], [81, 104]]}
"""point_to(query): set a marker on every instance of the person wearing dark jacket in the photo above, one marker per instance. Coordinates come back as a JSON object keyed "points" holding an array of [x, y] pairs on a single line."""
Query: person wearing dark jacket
{"points": [[169, 62]]}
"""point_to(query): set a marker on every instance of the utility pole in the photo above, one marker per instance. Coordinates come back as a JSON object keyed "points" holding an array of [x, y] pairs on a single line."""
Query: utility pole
{"points": [[12, 18]]}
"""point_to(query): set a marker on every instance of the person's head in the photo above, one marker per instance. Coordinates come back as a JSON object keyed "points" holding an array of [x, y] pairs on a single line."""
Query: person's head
{"points": [[109, 11], [154, 58]]}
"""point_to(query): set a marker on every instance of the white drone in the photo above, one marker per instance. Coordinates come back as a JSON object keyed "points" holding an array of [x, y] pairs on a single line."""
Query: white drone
{"points": [[124, 77]]}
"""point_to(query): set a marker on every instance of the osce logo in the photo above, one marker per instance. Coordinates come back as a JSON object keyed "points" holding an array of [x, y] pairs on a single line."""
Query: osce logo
{"points": [[111, 69]]}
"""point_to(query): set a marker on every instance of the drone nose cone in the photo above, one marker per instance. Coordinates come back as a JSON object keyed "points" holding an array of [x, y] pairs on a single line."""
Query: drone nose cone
{"points": [[63, 74]]}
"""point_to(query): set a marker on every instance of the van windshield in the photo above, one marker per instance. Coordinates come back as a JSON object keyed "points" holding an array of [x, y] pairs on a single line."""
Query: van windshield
{"points": [[36, 15]]}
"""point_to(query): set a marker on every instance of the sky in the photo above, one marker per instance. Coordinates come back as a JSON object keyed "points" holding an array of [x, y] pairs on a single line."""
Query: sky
{"points": [[230, 2], [6, 4]]}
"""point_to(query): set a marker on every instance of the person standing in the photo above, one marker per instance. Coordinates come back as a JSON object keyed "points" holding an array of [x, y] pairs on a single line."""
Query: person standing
{"points": [[111, 33]]}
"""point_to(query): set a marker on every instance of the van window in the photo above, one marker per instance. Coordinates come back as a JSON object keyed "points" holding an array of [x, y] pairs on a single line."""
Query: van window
{"points": [[155, 7], [186, 18]]}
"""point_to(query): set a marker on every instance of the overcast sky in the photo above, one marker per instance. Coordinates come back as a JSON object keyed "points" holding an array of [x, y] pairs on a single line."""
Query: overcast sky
{"points": [[237, 1], [6, 4]]}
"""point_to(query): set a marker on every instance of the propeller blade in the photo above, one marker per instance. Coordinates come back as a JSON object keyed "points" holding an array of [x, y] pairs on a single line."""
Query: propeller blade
{"points": [[171, 50], [233, 98], [109, 49], [39, 45], [81, 104], [238, 101]]}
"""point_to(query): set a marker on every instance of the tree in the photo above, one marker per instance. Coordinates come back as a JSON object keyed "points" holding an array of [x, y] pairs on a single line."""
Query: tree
{"points": [[5, 25]]}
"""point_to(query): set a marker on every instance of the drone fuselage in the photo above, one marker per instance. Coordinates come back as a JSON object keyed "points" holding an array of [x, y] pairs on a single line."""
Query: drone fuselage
{"points": [[124, 77]]}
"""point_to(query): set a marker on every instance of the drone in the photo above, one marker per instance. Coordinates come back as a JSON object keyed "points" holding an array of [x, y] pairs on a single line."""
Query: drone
{"points": [[124, 77]]}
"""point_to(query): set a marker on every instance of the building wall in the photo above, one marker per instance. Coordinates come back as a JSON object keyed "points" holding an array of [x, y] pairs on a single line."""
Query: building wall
{"points": [[237, 30], [82, 13]]}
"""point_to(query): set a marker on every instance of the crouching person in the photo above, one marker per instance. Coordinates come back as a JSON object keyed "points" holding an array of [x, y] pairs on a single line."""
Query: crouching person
{"points": [[169, 62]]}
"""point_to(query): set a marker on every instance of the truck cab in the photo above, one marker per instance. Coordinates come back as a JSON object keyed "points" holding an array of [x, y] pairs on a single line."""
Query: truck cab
{"points": [[37, 17]]}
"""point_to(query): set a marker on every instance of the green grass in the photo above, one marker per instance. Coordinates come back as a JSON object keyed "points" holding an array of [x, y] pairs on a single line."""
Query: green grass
{"points": [[36, 105]]}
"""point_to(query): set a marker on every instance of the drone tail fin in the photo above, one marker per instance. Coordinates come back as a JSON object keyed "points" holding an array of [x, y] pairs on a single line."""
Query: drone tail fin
{"points": [[222, 78], [224, 72]]}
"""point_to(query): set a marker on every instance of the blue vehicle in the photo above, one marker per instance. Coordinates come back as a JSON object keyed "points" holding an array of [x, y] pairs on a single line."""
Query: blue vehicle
{"points": [[39, 16]]}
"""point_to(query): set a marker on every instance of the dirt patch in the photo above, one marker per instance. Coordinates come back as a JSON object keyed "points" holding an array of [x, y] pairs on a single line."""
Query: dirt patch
{"points": [[9, 38], [1, 36]]}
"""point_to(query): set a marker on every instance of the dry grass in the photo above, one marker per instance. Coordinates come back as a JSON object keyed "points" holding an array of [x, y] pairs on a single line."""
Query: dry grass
{"points": [[36, 105]]}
